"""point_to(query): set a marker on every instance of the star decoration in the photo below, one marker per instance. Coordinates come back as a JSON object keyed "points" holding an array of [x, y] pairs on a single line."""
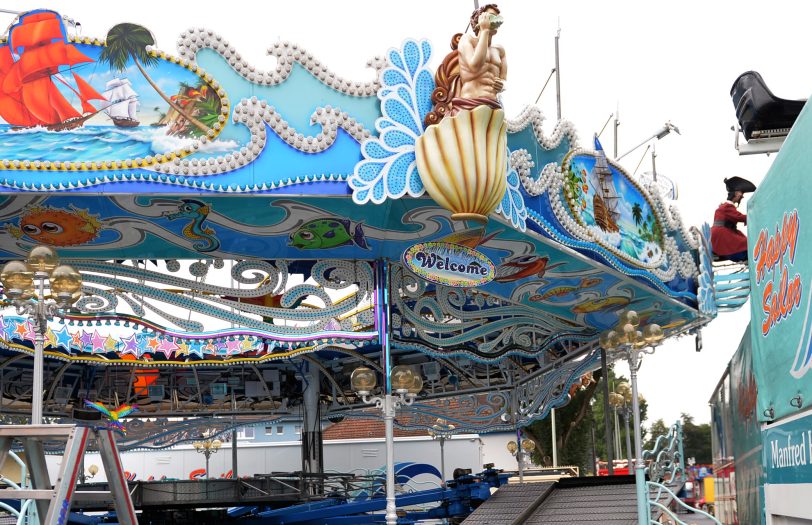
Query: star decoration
{"points": [[130, 345], [23, 330], [210, 349], [50, 339], [64, 338], [76, 340], [110, 344], [152, 344], [86, 339], [233, 347], [97, 342], [183, 348], [167, 347]]}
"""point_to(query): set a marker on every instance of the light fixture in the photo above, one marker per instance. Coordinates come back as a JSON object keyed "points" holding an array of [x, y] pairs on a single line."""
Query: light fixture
{"points": [[402, 378], [42, 260], [363, 380]]}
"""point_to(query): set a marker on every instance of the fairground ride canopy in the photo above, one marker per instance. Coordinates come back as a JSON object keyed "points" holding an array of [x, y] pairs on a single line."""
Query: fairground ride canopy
{"points": [[236, 228]]}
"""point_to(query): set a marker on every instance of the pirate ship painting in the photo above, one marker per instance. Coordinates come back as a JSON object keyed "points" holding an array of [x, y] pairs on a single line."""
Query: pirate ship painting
{"points": [[123, 107], [612, 206], [38, 56], [75, 99]]}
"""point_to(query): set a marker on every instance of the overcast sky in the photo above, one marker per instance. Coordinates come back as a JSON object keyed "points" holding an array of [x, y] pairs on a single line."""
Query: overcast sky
{"points": [[658, 61]]}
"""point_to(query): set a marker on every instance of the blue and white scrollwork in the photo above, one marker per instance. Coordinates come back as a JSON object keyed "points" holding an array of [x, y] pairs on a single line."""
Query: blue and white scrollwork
{"points": [[388, 170], [706, 293], [512, 206]]}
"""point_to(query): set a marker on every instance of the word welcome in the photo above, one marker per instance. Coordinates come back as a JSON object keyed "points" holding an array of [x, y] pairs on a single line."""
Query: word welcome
{"points": [[791, 454], [779, 300], [449, 264], [432, 260]]}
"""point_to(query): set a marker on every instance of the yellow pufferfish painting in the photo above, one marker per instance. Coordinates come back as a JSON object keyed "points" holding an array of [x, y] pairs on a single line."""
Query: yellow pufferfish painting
{"points": [[56, 226]]}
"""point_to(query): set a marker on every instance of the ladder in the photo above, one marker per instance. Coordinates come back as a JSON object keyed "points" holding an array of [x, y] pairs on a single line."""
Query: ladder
{"points": [[54, 501]]}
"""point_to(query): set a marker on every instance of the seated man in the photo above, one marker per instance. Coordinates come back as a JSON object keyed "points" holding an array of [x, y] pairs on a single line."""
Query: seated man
{"points": [[726, 240]]}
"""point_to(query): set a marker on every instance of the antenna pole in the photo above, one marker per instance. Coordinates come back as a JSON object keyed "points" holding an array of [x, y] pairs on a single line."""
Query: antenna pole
{"points": [[558, 72], [617, 125]]}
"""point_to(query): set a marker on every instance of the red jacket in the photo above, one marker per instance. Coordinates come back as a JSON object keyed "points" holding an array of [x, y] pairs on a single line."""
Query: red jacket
{"points": [[726, 239]]}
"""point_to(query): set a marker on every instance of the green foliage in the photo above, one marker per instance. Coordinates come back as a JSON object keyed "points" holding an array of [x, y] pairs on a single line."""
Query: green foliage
{"points": [[697, 440], [657, 429], [637, 213], [574, 428], [125, 41]]}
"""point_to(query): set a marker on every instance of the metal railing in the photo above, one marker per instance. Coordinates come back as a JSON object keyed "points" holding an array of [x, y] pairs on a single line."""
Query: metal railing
{"points": [[666, 471], [27, 513]]}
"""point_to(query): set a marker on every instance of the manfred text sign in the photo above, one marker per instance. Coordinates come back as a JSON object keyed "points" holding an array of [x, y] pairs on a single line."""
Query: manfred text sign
{"points": [[788, 452], [449, 264]]}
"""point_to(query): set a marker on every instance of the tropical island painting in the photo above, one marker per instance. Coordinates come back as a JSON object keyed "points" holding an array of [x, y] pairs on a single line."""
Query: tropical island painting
{"points": [[66, 99], [613, 208]]}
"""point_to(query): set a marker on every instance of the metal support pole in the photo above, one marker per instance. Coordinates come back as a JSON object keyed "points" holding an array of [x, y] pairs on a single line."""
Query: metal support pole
{"points": [[36, 392], [639, 465], [234, 474], [207, 463], [628, 440], [389, 420], [312, 448], [442, 457], [555, 439], [40, 322], [557, 75], [607, 419]]}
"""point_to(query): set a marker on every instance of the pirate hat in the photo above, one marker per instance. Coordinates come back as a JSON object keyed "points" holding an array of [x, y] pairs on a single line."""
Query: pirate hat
{"points": [[739, 184]]}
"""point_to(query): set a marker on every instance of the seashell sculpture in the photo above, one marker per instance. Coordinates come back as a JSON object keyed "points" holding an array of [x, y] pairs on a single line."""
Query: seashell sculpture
{"points": [[462, 162]]}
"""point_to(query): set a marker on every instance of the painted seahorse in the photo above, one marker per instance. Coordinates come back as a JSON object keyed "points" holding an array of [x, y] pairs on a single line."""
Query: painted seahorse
{"points": [[197, 211]]}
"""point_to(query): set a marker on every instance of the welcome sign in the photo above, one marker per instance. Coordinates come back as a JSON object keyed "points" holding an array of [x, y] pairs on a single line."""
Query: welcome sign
{"points": [[449, 264]]}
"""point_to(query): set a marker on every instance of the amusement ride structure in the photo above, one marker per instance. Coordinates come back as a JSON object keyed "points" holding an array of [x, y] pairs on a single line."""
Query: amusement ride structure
{"points": [[318, 244]]}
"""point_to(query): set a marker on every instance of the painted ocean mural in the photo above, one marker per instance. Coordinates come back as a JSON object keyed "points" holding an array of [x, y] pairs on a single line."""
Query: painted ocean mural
{"points": [[65, 100], [612, 207]]}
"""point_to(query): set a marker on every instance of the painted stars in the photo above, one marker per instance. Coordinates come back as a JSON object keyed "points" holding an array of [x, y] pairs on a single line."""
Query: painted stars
{"points": [[233, 347], [23, 330], [129, 345], [97, 343], [64, 338], [167, 347]]}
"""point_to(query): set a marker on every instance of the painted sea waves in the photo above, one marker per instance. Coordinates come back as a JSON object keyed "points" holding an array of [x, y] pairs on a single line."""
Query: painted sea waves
{"points": [[97, 143]]}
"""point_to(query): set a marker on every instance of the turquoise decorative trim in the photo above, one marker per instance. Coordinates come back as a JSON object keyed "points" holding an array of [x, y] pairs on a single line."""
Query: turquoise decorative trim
{"points": [[512, 206], [610, 259], [389, 170]]}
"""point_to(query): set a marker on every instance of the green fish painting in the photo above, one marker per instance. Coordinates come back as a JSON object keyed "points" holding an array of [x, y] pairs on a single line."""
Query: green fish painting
{"points": [[321, 234]]}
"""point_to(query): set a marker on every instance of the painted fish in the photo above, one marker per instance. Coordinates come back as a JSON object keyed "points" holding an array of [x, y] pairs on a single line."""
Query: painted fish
{"points": [[523, 266], [57, 226], [561, 291], [471, 237], [604, 303], [321, 234]]}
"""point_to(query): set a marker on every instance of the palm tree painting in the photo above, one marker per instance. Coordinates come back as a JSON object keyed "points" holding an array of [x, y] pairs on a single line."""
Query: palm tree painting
{"points": [[129, 41], [637, 213]]}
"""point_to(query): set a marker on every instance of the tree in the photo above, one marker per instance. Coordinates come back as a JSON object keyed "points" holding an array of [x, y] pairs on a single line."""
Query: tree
{"points": [[657, 429], [637, 213], [574, 426], [697, 440], [129, 41]]}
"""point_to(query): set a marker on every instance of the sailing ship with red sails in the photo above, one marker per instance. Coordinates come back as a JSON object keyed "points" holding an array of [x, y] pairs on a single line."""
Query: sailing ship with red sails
{"points": [[36, 57]]}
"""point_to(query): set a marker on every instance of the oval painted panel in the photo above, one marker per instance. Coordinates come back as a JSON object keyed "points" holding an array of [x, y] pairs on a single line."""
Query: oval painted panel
{"points": [[91, 104], [611, 205], [449, 264]]}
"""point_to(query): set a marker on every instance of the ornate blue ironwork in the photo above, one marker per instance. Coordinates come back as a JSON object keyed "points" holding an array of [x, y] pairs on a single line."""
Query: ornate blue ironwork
{"points": [[666, 471]]}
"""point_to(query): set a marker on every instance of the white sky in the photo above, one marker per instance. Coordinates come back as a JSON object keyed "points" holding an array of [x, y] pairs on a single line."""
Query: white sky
{"points": [[659, 61]]}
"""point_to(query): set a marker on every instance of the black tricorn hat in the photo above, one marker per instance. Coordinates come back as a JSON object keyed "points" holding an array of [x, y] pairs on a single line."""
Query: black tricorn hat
{"points": [[739, 184]]}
